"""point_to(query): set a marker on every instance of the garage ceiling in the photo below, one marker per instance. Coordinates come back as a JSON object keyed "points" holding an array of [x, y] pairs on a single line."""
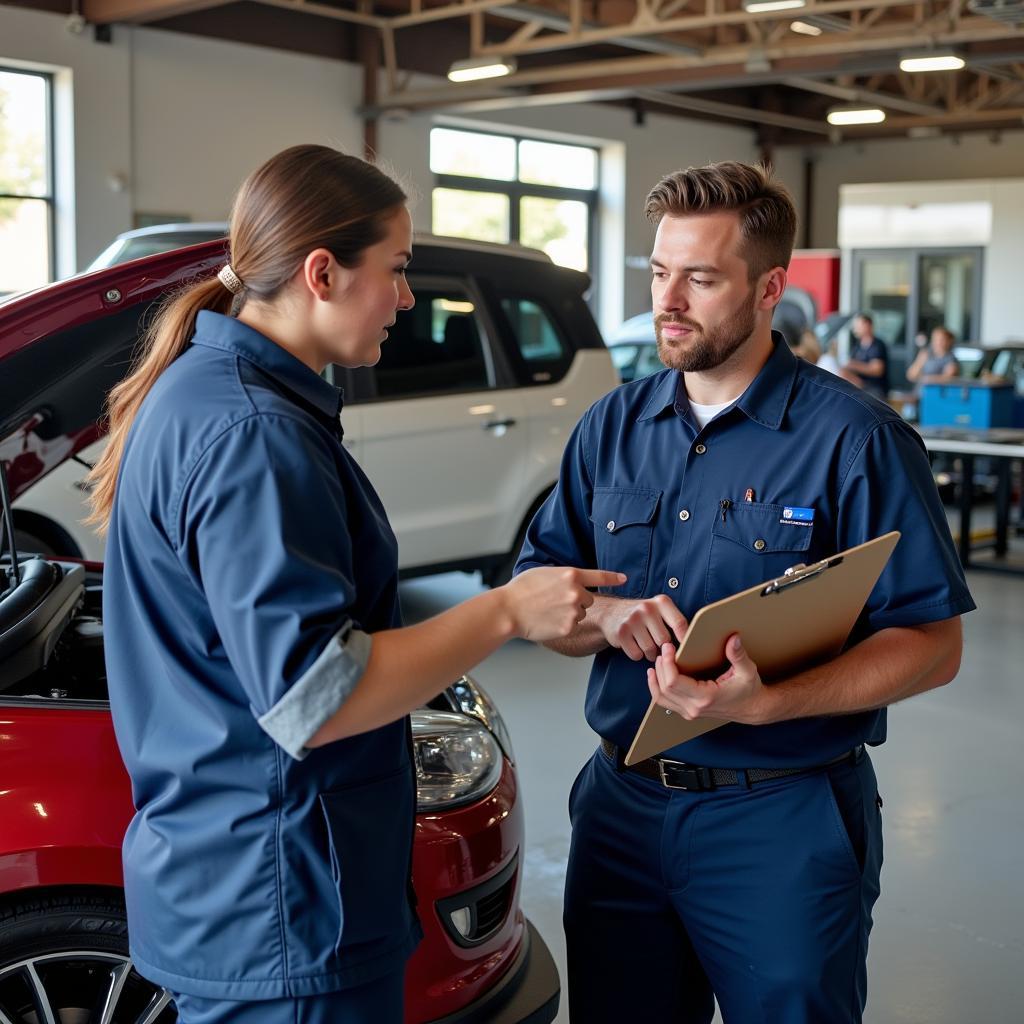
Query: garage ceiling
{"points": [[703, 58]]}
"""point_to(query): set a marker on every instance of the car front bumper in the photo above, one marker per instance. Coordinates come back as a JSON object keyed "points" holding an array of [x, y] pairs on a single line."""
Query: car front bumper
{"points": [[528, 993]]}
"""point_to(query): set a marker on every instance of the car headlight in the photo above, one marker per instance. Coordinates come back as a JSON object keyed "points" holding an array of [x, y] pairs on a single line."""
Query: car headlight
{"points": [[467, 696], [457, 759]]}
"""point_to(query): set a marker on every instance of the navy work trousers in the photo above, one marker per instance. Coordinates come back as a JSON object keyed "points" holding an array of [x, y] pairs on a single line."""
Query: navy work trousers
{"points": [[377, 1002], [758, 897]]}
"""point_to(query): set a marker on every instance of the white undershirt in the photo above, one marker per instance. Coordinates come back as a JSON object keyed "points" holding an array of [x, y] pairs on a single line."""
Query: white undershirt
{"points": [[704, 414]]}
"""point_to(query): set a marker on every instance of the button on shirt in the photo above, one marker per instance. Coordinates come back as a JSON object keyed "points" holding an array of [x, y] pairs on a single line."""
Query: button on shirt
{"points": [[798, 438], [249, 559]]}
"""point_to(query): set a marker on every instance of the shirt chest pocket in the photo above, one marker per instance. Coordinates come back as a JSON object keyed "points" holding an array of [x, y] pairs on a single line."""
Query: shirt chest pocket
{"points": [[624, 519], [752, 543]]}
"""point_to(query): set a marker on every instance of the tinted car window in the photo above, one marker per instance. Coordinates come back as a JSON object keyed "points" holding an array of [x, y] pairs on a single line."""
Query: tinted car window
{"points": [[538, 337], [436, 346]]}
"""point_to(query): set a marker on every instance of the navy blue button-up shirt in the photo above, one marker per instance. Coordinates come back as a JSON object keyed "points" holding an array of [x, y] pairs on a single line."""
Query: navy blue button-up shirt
{"points": [[249, 560], [642, 489]]}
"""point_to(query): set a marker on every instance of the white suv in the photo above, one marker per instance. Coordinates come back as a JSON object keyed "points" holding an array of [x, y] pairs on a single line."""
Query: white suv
{"points": [[460, 426]]}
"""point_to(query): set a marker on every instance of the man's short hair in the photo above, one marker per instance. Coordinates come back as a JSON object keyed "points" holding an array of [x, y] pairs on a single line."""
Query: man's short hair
{"points": [[765, 207], [867, 318]]}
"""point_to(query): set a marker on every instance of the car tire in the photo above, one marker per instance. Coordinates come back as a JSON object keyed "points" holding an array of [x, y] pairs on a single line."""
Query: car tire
{"points": [[64, 955], [500, 572]]}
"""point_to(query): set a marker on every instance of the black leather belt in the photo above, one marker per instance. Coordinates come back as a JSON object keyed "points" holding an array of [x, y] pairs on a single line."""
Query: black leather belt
{"points": [[696, 778]]}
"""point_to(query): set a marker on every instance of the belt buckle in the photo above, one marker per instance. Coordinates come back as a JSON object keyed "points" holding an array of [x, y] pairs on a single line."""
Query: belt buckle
{"points": [[680, 775]]}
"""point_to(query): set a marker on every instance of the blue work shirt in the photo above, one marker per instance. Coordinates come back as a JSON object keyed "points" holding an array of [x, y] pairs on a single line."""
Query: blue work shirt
{"points": [[641, 491], [248, 561]]}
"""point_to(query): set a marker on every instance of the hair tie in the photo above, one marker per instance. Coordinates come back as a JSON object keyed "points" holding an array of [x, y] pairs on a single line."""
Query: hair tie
{"points": [[230, 279]]}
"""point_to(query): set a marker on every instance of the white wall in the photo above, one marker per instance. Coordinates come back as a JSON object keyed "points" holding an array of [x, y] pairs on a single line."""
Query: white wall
{"points": [[206, 112], [894, 160]]}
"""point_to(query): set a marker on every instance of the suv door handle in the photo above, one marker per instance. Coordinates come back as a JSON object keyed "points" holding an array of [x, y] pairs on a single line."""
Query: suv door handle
{"points": [[499, 424]]}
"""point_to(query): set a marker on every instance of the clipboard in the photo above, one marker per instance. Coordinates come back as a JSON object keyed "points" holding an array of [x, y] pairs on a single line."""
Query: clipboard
{"points": [[800, 618]]}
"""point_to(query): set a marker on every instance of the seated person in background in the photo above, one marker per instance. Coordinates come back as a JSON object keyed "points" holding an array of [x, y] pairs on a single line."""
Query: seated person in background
{"points": [[868, 365], [935, 362]]}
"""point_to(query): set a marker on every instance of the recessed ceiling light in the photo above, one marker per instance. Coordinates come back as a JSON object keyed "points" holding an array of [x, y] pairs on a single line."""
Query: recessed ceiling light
{"points": [[855, 115], [933, 62], [474, 69], [805, 28], [773, 5]]}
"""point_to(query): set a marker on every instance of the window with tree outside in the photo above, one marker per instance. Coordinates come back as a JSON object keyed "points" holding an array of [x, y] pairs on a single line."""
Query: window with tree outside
{"points": [[26, 181], [502, 188]]}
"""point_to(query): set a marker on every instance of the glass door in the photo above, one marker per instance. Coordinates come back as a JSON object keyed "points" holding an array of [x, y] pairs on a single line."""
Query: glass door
{"points": [[947, 286], [910, 291]]}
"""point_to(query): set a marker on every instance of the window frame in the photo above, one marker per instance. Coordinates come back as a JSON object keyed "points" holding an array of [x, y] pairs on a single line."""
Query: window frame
{"points": [[517, 190], [50, 198]]}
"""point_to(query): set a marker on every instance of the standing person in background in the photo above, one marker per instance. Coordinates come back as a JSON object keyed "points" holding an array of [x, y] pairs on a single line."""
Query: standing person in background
{"points": [[260, 678], [935, 362], [868, 364]]}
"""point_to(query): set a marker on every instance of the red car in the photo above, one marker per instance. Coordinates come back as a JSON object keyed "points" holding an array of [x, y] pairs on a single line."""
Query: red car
{"points": [[65, 798]]}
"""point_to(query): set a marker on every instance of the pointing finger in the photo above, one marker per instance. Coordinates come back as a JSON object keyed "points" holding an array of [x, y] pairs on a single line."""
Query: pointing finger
{"points": [[600, 578]]}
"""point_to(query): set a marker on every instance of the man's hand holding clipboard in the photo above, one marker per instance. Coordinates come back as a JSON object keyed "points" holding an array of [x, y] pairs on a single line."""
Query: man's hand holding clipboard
{"points": [[733, 645]]}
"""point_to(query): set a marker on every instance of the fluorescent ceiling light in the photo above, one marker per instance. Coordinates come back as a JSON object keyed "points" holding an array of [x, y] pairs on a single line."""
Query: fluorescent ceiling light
{"points": [[805, 28], [855, 115], [933, 62], [473, 69], [772, 5]]}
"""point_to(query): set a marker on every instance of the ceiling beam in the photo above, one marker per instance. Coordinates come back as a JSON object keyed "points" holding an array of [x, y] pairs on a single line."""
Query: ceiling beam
{"points": [[138, 12], [544, 18], [669, 69], [732, 111], [855, 94], [690, 23], [321, 10], [1010, 116], [429, 14], [693, 104]]}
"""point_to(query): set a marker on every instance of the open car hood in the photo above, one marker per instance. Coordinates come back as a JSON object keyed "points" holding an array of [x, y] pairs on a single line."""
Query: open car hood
{"points": [[63, 347]]}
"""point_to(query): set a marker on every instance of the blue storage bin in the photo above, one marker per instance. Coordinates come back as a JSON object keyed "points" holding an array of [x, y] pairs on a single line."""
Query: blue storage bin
{"points": [[966, 403]]}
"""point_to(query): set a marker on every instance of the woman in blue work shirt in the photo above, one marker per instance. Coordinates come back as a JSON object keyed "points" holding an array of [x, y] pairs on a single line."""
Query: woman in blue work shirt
{"points": [[259, 675]]}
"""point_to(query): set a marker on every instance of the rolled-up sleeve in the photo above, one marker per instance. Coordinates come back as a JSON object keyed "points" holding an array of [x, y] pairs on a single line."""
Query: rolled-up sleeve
{"points": [[318, 692], [263, 530], [889, 486]]}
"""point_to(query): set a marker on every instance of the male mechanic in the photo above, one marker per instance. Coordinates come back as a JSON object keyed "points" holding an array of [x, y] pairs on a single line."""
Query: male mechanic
{"points": [[748, 874]]}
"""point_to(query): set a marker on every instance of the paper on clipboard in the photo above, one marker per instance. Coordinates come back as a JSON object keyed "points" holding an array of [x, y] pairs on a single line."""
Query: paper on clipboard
{"points": [[787, 623]]}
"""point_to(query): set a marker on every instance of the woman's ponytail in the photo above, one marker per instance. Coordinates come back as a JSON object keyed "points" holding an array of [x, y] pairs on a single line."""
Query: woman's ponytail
{"points": [[165, 340]]}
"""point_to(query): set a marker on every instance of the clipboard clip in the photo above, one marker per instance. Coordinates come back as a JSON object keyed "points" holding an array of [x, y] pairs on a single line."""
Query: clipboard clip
{"points": [[799, 573]]}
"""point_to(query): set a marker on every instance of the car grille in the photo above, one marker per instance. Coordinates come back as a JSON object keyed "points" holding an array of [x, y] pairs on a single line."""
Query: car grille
{"points": [[492, 910], [473, 916]]}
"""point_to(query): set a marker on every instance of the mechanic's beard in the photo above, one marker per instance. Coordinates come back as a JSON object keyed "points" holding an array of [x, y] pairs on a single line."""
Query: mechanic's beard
{"points": [[706, 350]]}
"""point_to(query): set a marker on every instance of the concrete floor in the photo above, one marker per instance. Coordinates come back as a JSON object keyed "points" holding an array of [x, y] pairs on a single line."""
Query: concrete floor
{"points": [[948, 942]]}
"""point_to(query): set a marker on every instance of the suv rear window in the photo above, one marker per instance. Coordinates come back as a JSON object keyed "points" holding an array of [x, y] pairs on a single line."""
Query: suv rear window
{"points": [[540, 341], [435, 347]]}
